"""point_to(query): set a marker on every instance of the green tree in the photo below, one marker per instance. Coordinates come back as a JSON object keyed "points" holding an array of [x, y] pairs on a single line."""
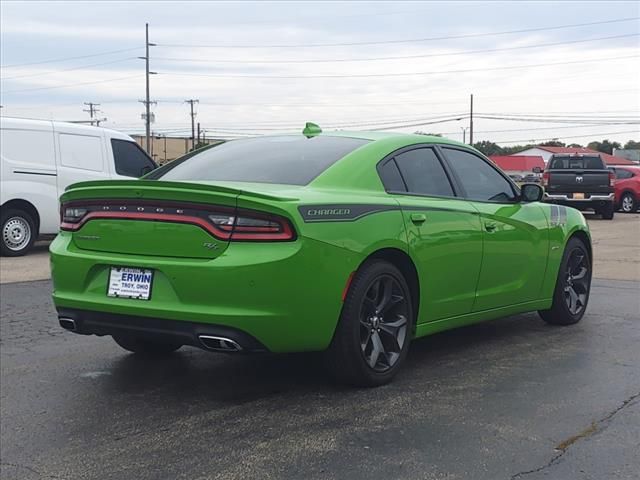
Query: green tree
{"points": [[489, 148], [575, 145], [553, 143], [632, 145], [605, 146]]}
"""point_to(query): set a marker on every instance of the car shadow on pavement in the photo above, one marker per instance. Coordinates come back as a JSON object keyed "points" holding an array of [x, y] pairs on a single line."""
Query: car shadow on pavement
{"points": [[191, 374]]}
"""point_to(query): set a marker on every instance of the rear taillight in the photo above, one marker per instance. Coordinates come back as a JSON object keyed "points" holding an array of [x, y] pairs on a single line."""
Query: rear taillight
{"points": [[545, 179], [612, 179], [221, 222], [249, 226]]}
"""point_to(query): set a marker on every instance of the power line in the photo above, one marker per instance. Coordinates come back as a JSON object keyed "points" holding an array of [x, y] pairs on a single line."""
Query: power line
{"points": [[404, 74], [402, 57], [70, 58], [73, 84], [39, 74], [413, 40], [599, 134]]}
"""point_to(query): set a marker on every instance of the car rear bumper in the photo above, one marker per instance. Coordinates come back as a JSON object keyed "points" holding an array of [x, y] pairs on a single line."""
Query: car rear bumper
{"points": [[285, 295], [200, 335], [568, 197]]}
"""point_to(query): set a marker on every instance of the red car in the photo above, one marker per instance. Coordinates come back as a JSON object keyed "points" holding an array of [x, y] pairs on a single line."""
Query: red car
{"points": [[627, 188]]}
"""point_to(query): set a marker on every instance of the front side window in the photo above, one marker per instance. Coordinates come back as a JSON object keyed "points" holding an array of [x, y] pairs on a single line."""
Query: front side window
{"points": [[130, 160], [423, 173], [479, 179]]}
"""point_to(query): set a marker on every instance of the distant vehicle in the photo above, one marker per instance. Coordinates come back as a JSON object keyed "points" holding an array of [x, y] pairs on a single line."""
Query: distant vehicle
{"points": [[627, 188], [516, 178], [352, 243], [581, 181], [531, 178], [40, 158]]}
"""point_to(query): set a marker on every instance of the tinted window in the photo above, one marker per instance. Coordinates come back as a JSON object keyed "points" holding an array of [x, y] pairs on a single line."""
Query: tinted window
{"points": [[580, 163], [423, 172], [130, 159], [290, 159], [391, 178], [480, 180], [622, 174]]}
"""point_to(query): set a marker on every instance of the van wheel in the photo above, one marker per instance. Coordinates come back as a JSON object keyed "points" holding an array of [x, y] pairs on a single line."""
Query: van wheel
{"points": [[18, 233]]}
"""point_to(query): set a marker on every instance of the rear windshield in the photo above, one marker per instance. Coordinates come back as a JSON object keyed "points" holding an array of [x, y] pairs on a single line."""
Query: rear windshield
{"points": [[579, 163], [287, 159]]}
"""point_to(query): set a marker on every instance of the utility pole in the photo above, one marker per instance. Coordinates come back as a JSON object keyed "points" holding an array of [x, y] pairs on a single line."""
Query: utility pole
{"points": [[192, 102], [471, 123], [464, 134], [165, 148], [147, 102], [92, 110], [198, 134]]}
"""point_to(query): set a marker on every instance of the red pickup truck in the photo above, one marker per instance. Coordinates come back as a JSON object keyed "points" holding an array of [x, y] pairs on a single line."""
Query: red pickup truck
{"points": [[627, 188]]}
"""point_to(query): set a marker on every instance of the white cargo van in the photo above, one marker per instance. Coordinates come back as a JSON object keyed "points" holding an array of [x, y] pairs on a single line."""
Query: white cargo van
{"points": [[40, 158]]}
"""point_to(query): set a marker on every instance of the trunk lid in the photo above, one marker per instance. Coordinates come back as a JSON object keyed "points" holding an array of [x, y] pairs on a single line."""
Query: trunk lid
{"points": [[138, 217]]}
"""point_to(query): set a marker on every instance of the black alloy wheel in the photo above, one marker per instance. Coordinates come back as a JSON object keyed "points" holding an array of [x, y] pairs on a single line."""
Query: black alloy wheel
{"points": [[383, 323], [375, 327]]}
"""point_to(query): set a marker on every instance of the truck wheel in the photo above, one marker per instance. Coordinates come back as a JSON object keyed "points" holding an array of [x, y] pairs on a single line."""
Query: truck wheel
{"points": [[573, 285], [608, 211], [18, 232], [628, 203]]}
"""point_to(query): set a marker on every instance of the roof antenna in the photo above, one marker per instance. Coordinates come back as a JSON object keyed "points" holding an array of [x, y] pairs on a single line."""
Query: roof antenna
{"points": [[311, 130]]}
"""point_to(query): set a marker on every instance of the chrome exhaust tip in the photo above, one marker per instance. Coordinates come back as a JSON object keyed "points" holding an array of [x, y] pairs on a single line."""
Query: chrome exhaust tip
{"points": [[67, 323], [219, 344]]}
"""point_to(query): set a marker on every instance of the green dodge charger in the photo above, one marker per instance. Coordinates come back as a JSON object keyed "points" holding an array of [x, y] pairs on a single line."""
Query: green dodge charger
{"points": [[350, 243]]}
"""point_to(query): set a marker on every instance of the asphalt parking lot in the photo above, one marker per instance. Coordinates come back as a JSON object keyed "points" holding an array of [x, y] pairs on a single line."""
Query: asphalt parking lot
{"points": [[512, 398]]}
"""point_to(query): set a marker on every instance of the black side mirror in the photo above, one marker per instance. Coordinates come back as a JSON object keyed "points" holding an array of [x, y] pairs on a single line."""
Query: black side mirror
{"points": [[531, 192]]}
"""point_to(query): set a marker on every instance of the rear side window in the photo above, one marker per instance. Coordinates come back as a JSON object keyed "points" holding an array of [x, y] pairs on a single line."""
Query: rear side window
{"points": [[423, 173], [579, 163], [287, 159], [623, 174], [81, 151], [390, 176], [130, 159]]}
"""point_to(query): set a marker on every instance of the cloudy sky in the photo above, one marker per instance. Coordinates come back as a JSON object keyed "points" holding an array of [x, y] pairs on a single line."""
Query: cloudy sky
{"points": [[538, 70]]}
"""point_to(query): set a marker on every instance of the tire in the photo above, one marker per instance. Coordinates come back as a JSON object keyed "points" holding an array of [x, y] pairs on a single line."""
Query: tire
{"points": [[372, 338], [18, 230], [608, 211], [145, 347], [628, 203], [571, 295]]}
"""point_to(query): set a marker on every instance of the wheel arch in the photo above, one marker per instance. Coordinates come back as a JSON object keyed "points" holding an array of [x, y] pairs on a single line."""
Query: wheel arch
{"points": [[584, 238], [25, 206], [403, 262]]}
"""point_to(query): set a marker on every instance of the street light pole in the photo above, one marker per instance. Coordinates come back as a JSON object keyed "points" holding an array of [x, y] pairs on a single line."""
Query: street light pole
{"points": [[464, 134]]}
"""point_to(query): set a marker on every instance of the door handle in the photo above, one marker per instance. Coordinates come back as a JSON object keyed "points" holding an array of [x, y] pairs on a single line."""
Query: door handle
{"points": [[490, 226], [418, 218]]}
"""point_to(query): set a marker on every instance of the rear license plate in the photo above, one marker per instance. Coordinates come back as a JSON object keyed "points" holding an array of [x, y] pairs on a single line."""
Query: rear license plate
{"points": [[127, 282], [578, 196]]}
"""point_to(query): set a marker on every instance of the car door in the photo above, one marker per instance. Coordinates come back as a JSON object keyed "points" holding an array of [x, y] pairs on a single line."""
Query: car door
{"points": [[443, 232], [515, 234]]}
